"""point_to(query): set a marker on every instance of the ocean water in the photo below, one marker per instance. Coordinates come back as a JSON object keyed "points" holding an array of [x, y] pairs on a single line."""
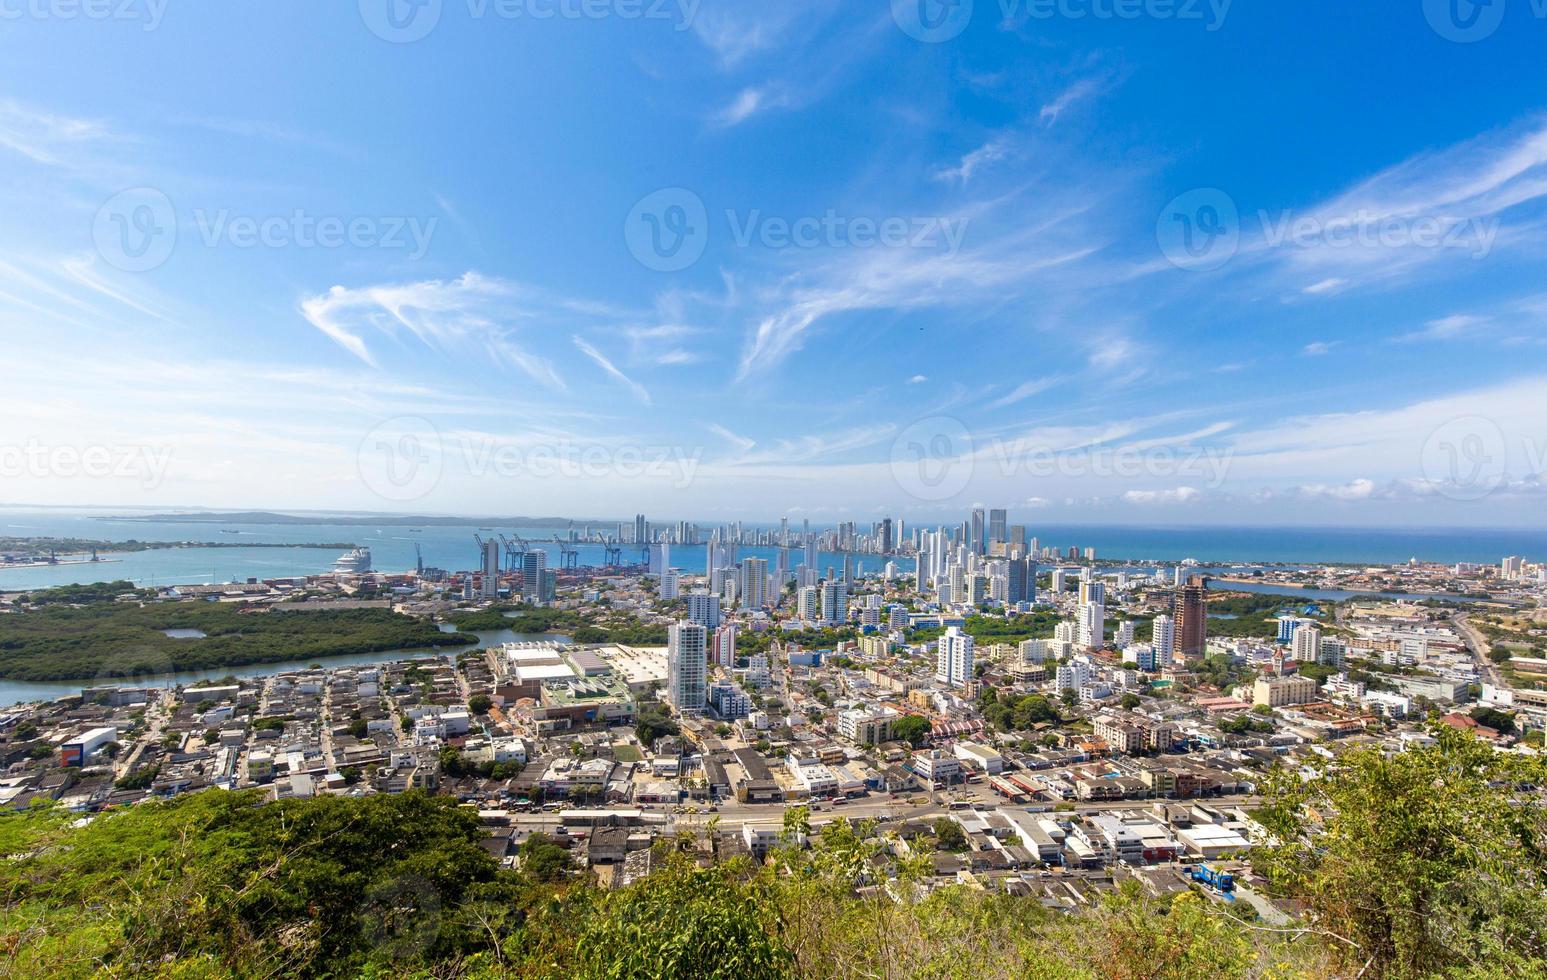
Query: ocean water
{"points": [[452, 547]]}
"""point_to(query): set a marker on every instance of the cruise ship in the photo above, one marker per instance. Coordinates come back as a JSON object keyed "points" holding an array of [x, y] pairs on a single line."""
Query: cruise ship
{"points": [[353, 562]]}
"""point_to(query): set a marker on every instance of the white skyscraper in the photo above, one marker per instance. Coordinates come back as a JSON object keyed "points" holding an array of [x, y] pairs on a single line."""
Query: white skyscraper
{"points": [[807, 602], [669, 585], [660, 558], [1124, 633], [835, 603], [1306, 645], [704, 609], [687, 666], [1092, 625], [1164, 639], [753, 587], [953, 657]]}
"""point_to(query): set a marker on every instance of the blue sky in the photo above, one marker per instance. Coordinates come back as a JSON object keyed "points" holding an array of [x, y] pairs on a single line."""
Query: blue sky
{"points": [[1229, 262]]}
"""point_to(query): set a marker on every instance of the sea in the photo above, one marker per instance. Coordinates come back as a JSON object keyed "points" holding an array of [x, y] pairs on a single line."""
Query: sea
{"points": [[395, 548]]}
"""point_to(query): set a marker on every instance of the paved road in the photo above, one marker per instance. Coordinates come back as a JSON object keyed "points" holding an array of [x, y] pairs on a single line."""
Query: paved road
{"points": [[1479, 646]]}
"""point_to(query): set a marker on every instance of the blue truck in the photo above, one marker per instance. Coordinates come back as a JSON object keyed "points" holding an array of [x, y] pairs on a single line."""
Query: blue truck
{"points": [[1220, 881]]}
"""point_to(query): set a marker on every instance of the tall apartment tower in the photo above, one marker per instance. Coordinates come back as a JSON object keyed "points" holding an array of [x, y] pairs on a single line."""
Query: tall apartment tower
{"points": [[1164, 639], [687, 666], [490, 584], [953, 657], [534, 565], [996, 526], [1191, 608]]}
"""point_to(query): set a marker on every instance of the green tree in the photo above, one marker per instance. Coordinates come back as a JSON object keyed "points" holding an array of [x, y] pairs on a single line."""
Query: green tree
{"points": [[911, 729], [949, 835], [544, 859], [479, 704], [1418, 862]]}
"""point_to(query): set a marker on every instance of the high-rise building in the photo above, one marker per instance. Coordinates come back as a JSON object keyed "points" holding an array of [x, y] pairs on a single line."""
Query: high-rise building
{"points": [[669, 579], [641, 530], [660, 557], [704, 609], [886, 536], [1018, 540], [753, 584], [953, 657], [1057, 585], [1021, 581], [1306, 645], [807, 601], [1091, 626], [975, 534], [835, 603], [534, 564], [687, 666], [1164, 638], [996, 526], [490, 584], [1191, 608], [725, 646]]}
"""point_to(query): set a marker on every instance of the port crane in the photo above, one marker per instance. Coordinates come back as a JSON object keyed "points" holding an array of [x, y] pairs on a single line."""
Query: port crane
{"points": [[516, 549], [569, 555]]}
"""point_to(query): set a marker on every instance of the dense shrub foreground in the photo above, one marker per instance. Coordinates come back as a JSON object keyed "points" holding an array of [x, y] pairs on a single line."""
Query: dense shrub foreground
{"points": [[1429, 863]]}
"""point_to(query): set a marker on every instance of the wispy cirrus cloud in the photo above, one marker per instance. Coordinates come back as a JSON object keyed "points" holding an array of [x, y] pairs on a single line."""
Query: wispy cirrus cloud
{"points": [[472, 313], [612, 370]]}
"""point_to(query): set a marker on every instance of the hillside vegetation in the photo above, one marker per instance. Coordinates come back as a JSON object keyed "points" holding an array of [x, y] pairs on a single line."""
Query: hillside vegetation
{"points": [[1427, 864]]}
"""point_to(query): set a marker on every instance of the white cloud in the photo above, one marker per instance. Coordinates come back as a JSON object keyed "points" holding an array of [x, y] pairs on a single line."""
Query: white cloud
{"points": [[1024, 391], [471, 314], [990, 152], [1317, 348], [611, 370], [1179, 495]]}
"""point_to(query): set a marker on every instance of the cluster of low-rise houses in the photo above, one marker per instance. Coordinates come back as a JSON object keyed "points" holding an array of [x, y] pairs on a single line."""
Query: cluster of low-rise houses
{"points": [[1139, 763]]}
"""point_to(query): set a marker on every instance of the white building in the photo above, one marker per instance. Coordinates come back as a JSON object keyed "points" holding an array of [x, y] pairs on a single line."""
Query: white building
{"points": [[953, 657], [687, 666], [1164, 639]]}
